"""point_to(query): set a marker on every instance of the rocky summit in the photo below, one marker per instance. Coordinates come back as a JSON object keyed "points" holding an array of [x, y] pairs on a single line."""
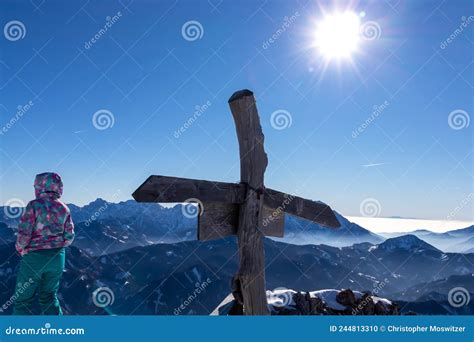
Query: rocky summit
{"points": [[322, 302]]}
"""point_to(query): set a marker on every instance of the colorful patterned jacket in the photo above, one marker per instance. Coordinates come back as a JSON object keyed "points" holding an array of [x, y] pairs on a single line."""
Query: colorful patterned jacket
{"points": [[46, 222]]}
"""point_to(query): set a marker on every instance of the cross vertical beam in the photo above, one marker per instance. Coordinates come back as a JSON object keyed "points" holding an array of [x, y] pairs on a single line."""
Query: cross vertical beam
{"points": [[253, 162]]}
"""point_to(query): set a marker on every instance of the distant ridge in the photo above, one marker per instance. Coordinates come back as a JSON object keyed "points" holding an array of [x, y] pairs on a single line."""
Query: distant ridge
{"points": [[137, 224], [407, 242]]}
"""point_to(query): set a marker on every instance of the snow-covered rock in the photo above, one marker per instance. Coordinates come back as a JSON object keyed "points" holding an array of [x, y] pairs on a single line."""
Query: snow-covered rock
{"points": [[282, 301]]}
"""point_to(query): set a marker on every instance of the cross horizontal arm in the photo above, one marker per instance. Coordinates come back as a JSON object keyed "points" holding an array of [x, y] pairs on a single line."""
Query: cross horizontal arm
{"points": [[317, 212], [162, 189]]}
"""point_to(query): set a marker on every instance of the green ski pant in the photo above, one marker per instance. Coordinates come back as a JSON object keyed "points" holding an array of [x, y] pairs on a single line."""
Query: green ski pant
{"points": [[39, 271]]}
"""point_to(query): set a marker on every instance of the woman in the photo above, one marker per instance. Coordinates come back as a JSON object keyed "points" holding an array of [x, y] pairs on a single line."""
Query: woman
{"points": [[45, 229]]}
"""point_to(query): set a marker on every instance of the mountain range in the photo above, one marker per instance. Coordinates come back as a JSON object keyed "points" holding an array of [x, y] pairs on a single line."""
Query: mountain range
{"points": [[148, 257], [128, 224], [459, 240]]}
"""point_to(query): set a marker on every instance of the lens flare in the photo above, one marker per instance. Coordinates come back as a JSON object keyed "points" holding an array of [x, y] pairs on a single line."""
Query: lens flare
{"points": [[337, 35]]}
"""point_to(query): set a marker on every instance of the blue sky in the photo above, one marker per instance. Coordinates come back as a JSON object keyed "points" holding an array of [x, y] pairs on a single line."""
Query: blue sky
{"points": [[150, 78]]}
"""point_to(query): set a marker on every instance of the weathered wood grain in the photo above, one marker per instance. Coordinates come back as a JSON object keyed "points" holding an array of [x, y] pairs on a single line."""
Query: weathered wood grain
{"points": [[273, 222], [162, 189], [219, 220], [317, 212], [253, 162]]}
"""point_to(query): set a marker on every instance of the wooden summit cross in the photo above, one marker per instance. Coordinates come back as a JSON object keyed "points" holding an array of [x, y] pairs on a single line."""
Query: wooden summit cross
{"points": [[246, 209]]}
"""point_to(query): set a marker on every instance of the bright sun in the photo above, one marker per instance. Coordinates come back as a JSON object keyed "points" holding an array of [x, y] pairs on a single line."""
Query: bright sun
{"points": [[337, 35]]}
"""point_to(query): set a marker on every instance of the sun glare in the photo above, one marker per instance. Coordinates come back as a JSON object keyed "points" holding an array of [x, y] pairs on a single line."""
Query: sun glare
{"points": [[337, 35]]}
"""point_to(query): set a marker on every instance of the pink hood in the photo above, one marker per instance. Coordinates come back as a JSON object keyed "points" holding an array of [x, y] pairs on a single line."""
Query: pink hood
{"points": [[48, 184]]}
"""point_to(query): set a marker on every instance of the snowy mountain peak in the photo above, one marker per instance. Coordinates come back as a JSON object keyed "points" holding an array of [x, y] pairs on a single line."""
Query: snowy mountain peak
{"points": [[97, 202], [407, 242]]}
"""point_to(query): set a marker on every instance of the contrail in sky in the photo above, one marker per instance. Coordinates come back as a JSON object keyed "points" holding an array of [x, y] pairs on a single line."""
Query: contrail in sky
{"points": [[375, 164]]}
